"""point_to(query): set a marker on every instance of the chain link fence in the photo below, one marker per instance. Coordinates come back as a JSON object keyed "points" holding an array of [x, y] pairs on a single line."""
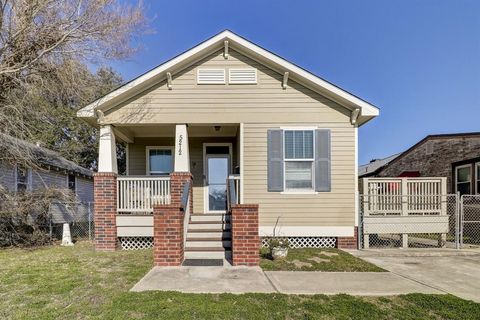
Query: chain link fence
{"points": [[78, 214], [470, 221], [409, 221]]}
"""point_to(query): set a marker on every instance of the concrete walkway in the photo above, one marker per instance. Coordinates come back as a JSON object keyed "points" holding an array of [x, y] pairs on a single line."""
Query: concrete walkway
{"points": [[248, 280], [451, 271]]}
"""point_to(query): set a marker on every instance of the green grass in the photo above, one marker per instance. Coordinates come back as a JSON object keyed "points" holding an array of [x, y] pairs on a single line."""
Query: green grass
{"points": [[311, 259], [77, 283]]}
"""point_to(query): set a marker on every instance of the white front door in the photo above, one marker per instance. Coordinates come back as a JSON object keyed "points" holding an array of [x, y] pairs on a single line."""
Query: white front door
{"points": [[217, 169]]}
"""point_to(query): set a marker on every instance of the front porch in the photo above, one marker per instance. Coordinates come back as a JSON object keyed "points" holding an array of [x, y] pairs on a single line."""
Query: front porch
{"points": [[190, 169]]}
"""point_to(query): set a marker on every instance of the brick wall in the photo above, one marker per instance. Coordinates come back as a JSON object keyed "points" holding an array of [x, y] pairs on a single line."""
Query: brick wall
{"points": [[348, 242], [168, 235], [437, 160], [105, 196], [168, 224], [245, 238]]}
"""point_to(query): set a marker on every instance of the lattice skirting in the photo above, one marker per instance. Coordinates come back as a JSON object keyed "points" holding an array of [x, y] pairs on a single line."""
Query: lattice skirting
{"points": [[135, 243], [308, 242]]}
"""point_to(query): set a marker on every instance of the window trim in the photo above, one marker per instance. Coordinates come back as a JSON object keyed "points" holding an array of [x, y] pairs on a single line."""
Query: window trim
{"points": [[29, 178], [469, 166], [147, 156], [312, 160], [68, 186]]}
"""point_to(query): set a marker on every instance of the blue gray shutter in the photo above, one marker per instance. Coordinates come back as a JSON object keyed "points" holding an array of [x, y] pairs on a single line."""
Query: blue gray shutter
{"points": [[322, 160], [275, 159]]}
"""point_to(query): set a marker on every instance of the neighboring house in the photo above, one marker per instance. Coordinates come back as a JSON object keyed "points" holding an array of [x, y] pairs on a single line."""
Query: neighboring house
{"points": [[454, 156], [372, 168], [229, 107], [54, 171]]}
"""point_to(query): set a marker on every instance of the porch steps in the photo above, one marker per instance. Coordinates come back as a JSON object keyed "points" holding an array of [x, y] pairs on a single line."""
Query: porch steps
{"points": [[208, 237]]}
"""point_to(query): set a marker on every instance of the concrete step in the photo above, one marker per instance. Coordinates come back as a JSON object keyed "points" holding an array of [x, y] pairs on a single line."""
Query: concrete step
{"points": [[202, 225], [209, 217], [208, 243], [208, 254], [219, 234]]}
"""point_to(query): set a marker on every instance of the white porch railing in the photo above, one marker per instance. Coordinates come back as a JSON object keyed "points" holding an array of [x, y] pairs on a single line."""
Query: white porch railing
{"points": [[404, 196], [233, 190], [139, 194]]}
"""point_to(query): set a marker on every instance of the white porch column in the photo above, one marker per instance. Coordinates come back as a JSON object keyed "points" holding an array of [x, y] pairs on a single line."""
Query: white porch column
{"points": [[107, 151], [182, 157]]}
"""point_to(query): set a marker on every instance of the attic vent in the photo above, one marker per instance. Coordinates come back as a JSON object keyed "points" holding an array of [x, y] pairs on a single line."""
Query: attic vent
{"points": [[242, 76], [211, 76]]}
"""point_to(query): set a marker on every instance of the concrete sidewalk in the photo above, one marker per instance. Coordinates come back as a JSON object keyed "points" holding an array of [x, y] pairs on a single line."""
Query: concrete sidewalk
{"points": [[249, 280], [452, 271]]}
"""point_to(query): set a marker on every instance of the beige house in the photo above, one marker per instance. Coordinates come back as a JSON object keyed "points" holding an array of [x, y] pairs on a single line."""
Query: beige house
{"points": [[229, 109]]}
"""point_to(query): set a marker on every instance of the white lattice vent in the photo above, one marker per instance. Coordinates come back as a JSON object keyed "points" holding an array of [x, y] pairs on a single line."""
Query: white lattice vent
{"points": [[242, 76], [308, 242], [136, 243], [211, 76]]}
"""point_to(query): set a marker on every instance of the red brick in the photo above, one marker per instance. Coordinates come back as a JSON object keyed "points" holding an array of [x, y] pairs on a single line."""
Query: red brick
{"points": [[105, 195], [245, 238], [348, 242]]}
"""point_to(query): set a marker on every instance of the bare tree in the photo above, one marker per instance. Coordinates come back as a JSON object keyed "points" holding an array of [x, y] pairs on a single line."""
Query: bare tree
{"points": [[44, 48]]}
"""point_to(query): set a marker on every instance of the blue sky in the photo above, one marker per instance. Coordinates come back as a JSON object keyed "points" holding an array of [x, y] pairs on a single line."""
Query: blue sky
{"points": [[419, 61]]}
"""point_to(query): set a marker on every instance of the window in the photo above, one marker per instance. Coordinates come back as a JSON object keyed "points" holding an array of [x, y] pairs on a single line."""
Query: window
{"points": [[299, 159], [464, 179], [477, 166], [71, 182], [22, 177], [159, 161]]}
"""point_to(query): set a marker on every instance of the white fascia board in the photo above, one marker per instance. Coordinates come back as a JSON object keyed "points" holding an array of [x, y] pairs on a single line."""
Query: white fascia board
{"points": [[367, 110]]}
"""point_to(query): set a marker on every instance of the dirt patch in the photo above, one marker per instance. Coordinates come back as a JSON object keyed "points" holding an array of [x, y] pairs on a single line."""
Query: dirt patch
{"points": [[301, 264], [318, 260]]}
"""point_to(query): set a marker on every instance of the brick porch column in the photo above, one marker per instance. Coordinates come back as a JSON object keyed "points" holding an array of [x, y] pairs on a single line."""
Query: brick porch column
{"points": [[245, 238], [105, 196], [348, 242], [168, 224]]}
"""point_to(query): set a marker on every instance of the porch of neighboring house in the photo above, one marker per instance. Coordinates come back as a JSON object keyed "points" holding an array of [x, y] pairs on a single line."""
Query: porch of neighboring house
{"points": [[174, 194]]}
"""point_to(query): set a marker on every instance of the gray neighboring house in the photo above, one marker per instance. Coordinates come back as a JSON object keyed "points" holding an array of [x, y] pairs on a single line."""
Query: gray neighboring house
{"points": [[455, 156], [56, 172]]}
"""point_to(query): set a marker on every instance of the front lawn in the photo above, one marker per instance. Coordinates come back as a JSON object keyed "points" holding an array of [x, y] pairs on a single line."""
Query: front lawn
{"points": [[310, 259], [77, 283]]}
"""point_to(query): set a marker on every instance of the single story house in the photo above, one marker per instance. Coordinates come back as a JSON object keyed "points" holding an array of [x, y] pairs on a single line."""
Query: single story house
{"points": [[264, 147], [455, 156], [54, 171]]}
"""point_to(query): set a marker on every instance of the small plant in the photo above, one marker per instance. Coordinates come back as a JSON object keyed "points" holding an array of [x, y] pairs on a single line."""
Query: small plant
{"points": [[278, 243], [278, 246]]}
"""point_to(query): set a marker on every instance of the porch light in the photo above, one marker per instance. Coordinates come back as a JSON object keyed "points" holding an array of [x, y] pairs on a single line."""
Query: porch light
{"points": [[217, 128]]}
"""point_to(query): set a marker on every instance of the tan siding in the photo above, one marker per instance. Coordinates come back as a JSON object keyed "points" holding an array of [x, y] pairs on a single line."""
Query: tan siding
{"points": [[335, 208], [137, 160], [192, 103]]}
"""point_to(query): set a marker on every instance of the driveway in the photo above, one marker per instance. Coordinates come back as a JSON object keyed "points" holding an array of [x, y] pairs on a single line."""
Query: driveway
{"points": [[451, 271]]}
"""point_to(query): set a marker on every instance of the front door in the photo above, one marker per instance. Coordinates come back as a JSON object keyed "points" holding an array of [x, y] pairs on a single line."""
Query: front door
{"points": [[217, 169]]}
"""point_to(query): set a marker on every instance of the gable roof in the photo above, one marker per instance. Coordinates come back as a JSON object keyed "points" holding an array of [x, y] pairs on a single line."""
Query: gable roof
{"points": [[296, 73], [46, 156]]}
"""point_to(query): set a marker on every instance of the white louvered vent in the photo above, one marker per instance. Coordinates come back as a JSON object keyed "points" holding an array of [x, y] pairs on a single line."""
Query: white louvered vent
{"points": [[242, 76], [211, 76]]}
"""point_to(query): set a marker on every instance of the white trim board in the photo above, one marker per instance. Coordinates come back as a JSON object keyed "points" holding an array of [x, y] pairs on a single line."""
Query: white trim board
{"points": [[148, 79], [307, 231]]}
